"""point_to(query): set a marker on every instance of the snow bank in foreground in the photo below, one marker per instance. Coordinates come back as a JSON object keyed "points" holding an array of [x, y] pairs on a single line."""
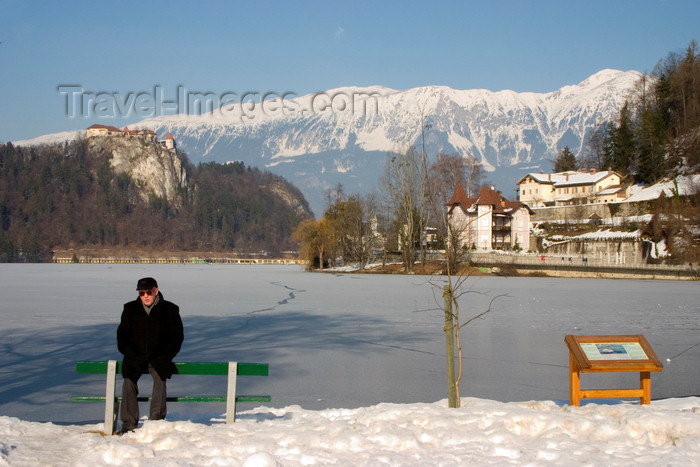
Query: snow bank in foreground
{"points": [[482, 432]]}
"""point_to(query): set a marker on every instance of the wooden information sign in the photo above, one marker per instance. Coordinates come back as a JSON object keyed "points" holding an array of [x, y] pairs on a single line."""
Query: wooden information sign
{"points": [[603, 354]]}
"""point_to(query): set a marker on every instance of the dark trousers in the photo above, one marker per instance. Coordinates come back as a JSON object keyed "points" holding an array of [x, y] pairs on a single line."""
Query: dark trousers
{"points": [[130, 403]]}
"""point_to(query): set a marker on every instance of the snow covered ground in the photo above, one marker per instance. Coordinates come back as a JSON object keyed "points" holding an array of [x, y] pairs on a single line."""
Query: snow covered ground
{"points": [[357, 372], [685, 185], [482, 432]]}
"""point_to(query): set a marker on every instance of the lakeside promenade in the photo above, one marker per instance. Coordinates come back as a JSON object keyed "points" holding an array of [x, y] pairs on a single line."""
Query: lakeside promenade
{"points": [[499, 264], [174, 260], [558, 266]]}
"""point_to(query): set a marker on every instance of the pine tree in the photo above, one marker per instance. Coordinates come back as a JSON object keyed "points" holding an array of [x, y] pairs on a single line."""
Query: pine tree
{"points": [[565, 161], [651, 141], [621, 153]]}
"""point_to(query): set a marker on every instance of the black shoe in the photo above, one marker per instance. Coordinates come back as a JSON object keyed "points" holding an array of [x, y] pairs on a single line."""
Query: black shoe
{"points": [[123, 431]]}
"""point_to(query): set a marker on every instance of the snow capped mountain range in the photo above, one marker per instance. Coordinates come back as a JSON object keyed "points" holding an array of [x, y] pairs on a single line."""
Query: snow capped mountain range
{"points": [[342, 135]]}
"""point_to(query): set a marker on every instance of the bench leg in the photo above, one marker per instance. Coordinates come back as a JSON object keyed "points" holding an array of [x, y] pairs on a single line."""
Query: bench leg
{"points": [[111, 403], [231, 392]]}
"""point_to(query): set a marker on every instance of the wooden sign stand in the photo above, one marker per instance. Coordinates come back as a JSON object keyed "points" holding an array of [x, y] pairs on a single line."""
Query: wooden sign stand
{"points": [[603, 354]]}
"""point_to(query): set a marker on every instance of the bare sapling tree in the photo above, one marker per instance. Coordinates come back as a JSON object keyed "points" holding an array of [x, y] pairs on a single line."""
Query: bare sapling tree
{"points": [[411, 193], [452, 292], [452, 170]]}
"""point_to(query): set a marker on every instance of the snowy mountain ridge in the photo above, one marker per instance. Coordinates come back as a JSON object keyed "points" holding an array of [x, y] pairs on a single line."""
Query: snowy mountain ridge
{"points": [[317, 147], [342, 135]]}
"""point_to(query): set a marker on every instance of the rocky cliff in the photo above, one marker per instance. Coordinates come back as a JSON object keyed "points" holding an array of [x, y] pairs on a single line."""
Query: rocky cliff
{"points": [[157, 171]]}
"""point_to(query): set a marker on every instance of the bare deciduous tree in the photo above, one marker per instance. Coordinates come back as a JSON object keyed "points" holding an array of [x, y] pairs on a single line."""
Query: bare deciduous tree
{"points": [[353, 219], [402, 184], [448, 171]]}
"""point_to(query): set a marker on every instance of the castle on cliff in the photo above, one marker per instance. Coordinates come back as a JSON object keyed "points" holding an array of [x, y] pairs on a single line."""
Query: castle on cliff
{"points": [[150, 135]]}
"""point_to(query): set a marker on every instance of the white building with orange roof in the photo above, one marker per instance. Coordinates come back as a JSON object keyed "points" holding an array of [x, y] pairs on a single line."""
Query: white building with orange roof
{"points": [[169, 142], [570, 188], [108, 130], [103, 130], [489, 221]]}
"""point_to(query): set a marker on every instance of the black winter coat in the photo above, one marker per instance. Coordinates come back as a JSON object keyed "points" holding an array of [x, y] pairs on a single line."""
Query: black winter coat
{"points": [[153, 338]]}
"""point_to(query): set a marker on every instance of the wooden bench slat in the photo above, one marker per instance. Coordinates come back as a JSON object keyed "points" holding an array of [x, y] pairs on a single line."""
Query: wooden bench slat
{"points": [[220, 368], [253, 398], [94, 367], [184, 368], [179, 399]]}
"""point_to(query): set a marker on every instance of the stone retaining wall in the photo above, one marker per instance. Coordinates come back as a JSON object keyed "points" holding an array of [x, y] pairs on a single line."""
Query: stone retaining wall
{"points": [[582, 213]]}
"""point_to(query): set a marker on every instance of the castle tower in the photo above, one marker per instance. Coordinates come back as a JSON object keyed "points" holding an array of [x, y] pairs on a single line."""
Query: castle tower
{"points": [[169, 142]]}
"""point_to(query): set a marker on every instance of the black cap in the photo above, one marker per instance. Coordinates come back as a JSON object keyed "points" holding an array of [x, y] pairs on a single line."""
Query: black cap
{"points": [[147, 283]]}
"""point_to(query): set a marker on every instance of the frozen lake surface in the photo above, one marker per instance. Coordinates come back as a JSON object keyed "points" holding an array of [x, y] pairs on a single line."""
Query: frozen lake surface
{"points": [[333, 340]]}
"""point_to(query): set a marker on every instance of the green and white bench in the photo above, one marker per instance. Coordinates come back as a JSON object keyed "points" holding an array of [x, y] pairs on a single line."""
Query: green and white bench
{"points": [[231, 369]]}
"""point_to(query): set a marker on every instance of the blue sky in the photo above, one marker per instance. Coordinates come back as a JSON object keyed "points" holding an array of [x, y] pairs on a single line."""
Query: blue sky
{"points": [[129, 47]]}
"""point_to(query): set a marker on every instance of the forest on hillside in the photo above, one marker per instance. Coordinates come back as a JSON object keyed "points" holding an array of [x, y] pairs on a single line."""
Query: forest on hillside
{"points": [[656, 137], [657, 133], [65, 196]]}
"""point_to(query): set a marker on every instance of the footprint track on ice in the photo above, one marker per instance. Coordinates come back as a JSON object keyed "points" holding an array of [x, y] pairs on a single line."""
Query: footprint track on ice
{"points": [[291, 296]]}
